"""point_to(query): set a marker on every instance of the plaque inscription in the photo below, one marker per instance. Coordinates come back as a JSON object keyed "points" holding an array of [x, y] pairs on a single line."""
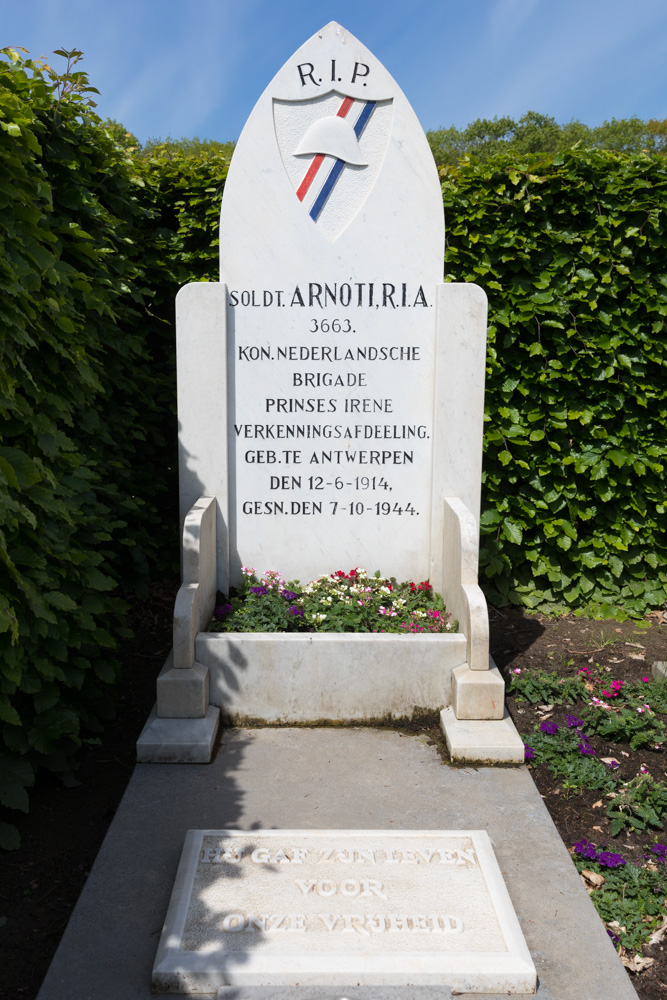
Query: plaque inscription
{"points": [[339, 907]]}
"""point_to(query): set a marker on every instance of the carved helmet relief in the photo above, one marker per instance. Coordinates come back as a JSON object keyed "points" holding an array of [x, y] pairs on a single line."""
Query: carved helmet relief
{"points": [[342, 144], [332, 147]]}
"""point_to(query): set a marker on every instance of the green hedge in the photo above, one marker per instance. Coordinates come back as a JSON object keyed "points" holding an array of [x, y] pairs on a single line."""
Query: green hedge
{"points": [[572, 251], [79, 419]]}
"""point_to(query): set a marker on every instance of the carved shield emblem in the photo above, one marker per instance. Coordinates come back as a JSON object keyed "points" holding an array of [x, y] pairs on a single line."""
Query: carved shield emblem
{"points": [[332, 147]]}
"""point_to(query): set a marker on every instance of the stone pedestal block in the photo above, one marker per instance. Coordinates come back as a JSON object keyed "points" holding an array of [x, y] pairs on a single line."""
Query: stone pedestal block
{"points": [[659, 670], [494, 741], [478, 694], [178, 741], [182, 694]]}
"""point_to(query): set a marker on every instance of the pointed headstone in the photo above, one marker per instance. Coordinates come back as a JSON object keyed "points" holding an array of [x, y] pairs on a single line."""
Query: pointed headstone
{"points": [[332, 243], [316, 428]]}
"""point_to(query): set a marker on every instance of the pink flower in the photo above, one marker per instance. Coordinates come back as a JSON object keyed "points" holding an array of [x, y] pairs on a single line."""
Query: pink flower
{"points": [[646, 680], [517, 670]]}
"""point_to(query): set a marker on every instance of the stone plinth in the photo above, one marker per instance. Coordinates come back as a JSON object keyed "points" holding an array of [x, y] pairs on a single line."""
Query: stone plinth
{"points": [[341, 908]]}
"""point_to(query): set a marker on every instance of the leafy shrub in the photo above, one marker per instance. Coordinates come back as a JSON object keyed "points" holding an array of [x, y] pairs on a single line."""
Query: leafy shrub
{"points": [[571, 252], [640, 803], [80, 432], [568, 755], [630, 900], [544, 687], [626, 725]]}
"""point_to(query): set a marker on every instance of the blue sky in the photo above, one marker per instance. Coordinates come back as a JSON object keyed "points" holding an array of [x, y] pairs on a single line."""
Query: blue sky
{"points": [[196, 67]]}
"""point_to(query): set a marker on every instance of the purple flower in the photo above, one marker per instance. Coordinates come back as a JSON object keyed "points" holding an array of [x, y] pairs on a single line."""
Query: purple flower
{"points": [[259, 590], [529, 753], [615, 938], [613, 764], [289, 595], [293, 610], [660, 850], [585, 747], [222, 610], [586, 850], [573, 721], [609, 860], [550, 728]]}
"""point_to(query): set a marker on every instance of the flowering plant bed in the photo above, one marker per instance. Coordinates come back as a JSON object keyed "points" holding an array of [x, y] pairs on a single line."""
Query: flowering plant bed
{"points": [[594, 729], [337, 602]]}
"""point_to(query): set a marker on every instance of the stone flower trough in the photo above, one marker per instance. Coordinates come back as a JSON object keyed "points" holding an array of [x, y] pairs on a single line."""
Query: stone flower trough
{"points": [[311, 678]]}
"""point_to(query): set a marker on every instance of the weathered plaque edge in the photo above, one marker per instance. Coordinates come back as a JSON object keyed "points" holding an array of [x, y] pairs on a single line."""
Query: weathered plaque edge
{"points": [[475, 972]]}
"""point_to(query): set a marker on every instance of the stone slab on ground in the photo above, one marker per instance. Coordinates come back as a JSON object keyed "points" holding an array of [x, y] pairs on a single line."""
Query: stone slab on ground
{"points": [[489, 741], [326, 907], [189, 741], [329, 779]]}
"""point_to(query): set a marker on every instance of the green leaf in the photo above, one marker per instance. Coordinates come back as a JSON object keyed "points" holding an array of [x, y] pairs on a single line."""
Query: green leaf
{"points": [[60, 600], [512, 532], [10, 839], [23, 471]]}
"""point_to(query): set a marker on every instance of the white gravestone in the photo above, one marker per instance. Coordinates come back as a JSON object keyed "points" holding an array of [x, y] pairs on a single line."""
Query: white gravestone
{"points": [[341, 908], [331, 402], [321, 452]]}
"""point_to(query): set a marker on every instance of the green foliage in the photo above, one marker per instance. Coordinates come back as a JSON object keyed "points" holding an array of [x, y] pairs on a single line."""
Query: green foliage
{"points": [[631, 900], [536, 133], [203, 149], [560, 752], [80, 433], [626, 725], [640, 804], [544, 687], [653, 693], [571, 253]]}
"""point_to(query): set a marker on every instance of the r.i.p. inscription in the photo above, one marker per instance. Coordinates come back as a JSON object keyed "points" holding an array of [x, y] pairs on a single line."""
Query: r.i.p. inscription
{"points": [[341, 907]]}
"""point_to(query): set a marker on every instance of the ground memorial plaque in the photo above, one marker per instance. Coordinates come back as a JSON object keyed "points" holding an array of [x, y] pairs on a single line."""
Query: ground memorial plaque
{"points": [[321, 449], [312, 907]]}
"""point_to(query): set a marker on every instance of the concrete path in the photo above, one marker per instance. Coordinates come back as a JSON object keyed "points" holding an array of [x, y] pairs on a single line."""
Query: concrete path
{"points": [[327, 779]]}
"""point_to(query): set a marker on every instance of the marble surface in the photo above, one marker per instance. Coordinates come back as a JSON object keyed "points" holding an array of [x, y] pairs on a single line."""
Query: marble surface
{"points": [[292, 677], [178, 741], [357, 778], [276, 907], [494, 741]]}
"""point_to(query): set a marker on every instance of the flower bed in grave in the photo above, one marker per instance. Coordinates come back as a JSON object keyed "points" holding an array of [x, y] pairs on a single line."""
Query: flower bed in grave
{"points": [[345, 647], [337, 602]]}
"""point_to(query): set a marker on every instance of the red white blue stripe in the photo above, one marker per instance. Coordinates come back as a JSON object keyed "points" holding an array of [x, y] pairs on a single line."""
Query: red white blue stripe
{"points": [[329, 182]]}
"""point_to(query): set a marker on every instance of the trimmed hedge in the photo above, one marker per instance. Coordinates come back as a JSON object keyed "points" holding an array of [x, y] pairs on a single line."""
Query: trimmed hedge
{"points": [[572, 252], [79, 419]]}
